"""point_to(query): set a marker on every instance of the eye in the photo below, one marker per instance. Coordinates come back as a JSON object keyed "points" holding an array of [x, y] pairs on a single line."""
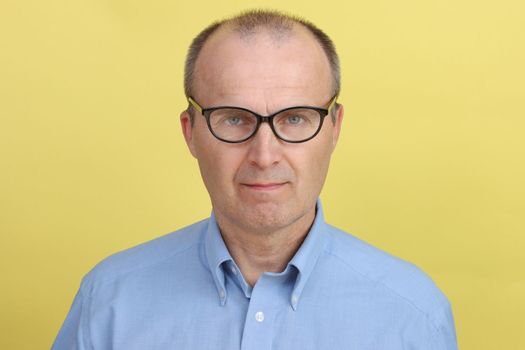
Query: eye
{"points": [[294, 119], [233, 121], [230, 118]]}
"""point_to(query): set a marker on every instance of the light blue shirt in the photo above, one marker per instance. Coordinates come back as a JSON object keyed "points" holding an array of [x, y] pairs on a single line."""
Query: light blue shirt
{"points": [[184, 291]]}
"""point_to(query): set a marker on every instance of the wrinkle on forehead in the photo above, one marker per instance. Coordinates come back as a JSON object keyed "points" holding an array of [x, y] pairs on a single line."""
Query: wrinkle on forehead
{"points": [[260, 100]]}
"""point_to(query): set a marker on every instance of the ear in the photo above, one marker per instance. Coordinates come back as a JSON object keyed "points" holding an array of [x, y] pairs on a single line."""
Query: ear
{"points": [[187, 131], [340, 111]]}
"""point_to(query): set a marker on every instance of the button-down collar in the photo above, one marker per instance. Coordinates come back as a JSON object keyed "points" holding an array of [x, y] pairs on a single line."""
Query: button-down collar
{"points": [[218, 257]]}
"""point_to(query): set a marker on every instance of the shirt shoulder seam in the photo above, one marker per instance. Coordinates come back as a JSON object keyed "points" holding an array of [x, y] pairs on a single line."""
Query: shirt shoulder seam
{"points": [[92, 280], [391, 290]]}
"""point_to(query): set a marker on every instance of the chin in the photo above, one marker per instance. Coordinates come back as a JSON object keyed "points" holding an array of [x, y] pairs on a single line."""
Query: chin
{"points": [[269, 217]]}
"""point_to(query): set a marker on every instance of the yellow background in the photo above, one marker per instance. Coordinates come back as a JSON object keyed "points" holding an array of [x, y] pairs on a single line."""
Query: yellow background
{"points": [[430, 166]]}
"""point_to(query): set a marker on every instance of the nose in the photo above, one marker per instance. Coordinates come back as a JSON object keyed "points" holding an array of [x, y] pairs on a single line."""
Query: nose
{"points": [[265, 149]]}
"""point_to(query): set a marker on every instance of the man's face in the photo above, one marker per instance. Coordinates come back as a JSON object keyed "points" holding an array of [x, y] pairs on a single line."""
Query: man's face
{"points": [[263, 184]]}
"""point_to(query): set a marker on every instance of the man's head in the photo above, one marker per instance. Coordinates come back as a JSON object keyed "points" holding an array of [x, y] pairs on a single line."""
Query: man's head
{"points": [[263, 62]]}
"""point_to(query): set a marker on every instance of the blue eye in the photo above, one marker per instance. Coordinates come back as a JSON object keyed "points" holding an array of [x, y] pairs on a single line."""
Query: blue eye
{"points": [[294, 119], [233, 121]]}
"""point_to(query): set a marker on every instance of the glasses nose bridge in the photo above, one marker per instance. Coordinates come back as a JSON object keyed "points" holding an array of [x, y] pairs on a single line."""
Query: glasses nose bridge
{"points": [[265, 119]]}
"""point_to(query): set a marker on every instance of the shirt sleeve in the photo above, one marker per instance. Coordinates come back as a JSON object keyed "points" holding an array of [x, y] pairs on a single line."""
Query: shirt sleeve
{"points": [[444, 337], [73, 335]]}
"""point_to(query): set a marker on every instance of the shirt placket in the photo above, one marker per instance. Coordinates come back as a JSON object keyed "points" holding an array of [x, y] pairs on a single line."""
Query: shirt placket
{"points": [[264, 303]]}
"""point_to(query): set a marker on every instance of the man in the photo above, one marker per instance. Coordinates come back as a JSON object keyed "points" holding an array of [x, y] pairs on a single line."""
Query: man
{"points": [[264, 271]]}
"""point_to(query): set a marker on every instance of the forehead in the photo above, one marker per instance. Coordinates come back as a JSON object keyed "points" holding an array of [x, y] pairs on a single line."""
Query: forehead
{"points": [[275, 67]]}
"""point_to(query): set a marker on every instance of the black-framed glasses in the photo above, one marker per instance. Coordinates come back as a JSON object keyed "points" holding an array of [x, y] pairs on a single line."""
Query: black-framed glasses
{"points": [[292, 124]]}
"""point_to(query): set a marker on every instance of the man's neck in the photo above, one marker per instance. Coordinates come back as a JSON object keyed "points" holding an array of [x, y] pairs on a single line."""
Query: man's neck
{"points": [[256, 253]]}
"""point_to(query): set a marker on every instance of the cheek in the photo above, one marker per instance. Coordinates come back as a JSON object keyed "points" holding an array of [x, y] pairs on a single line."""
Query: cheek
{"points": [[218, 164], [313, 163]]}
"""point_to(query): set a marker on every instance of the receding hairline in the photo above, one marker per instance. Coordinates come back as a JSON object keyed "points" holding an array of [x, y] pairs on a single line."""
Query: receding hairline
{"points": [[226, 35], [277, 25]]}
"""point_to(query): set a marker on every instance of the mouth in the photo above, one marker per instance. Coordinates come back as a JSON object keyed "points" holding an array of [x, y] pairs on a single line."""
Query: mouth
{"points": [[272, 186]]}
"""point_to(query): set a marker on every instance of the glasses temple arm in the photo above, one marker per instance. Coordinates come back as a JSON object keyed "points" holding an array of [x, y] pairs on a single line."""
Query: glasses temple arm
{"points": [[195, 104]]}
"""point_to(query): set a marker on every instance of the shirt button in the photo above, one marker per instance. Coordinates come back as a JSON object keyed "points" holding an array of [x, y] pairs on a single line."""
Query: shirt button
{"points": [[234, 270], [259, 316], [221, 293], [294, 299]]}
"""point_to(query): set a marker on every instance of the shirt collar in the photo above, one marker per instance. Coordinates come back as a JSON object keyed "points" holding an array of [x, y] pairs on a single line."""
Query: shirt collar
{"points": [[216, 254], [308, 254], [304, 259]]}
